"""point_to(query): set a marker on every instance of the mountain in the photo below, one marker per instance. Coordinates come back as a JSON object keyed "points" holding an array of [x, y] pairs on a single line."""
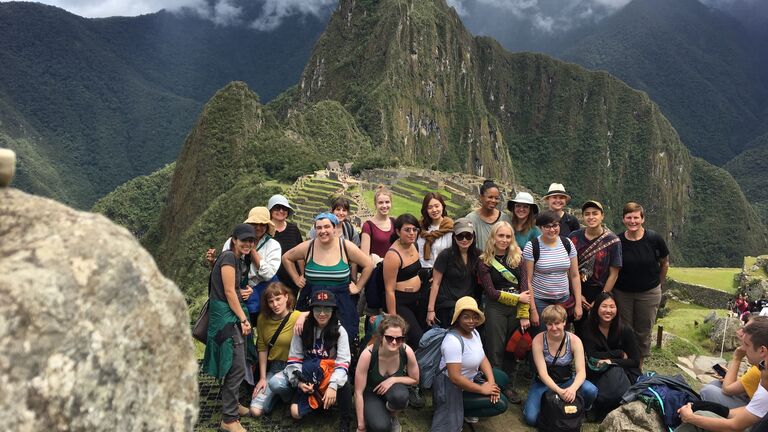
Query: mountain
{"points": [[90, 103], [749, 169]]}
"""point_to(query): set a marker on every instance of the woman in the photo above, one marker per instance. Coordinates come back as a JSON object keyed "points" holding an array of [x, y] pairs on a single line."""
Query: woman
{"points": [[598, 252], [467, 386], [264, 259], [612, 353], [318, 361], [556, 353], [645, 261], [384, 372], [328, 259], [454, 275], [286, 233], [502, 275], [229, 326], [274, 333], [551, 266], [435, 235], [556, 200], [378, 231], [340, 208], [487, 215], [401, 278], [524, 211]]}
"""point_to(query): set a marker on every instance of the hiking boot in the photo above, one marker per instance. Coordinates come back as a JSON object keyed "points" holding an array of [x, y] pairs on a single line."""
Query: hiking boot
{"points": [[414, 398], [235, 426], [243, 411], [512, 396], [471, 420]]}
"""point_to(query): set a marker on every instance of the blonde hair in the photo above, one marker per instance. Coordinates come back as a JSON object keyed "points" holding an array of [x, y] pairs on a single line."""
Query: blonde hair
{"points": [[381, 190], [514, 255], [553, 313]]}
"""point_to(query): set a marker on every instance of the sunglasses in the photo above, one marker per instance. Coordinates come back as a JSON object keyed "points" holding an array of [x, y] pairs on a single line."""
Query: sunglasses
{"points": [[279, 208], [465, 236], [411, 229], [394, 339], [327, 310]]}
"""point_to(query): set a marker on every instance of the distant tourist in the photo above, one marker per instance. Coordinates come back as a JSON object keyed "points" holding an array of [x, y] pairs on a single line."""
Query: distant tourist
{"points": [[599, 256], [378, 231], [467, 386], [501, 272], [340, 207], [286, 233], [557, 199], [228, 328], [385, 371], [552, 270], [454, 275], [487, 215], [524, 210], [645, 261]]}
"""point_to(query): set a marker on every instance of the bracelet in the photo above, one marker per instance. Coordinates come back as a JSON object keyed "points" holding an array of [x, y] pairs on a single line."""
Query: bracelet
{"points": [[244, 320], [431, 310]]}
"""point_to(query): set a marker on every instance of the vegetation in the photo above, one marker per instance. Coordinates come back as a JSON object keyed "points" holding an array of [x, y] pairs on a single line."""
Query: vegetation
{"points": [[722, 279], [686, 321], [748, 169]]}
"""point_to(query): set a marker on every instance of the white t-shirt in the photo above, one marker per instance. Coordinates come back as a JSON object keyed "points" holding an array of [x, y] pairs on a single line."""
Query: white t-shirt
{"points": [[758, 406], [438, 246], [472, 357]]}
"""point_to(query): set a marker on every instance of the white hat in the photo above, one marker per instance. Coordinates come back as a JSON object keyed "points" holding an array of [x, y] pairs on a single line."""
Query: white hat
{"points": [[556, 189], [523, 198], [280, 200]]}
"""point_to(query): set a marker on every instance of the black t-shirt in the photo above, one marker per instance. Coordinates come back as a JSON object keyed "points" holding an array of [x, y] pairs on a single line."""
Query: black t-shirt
{"points": [[568, 224], [640, 269], [227, 258], [289, 238], [458, 281]]}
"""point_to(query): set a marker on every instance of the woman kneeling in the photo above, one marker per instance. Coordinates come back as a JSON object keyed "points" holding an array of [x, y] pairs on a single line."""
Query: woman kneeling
{"points": [[384, 371], [556, 352]]}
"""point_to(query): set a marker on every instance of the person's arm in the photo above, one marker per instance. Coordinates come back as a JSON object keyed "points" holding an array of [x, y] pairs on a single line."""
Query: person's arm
{"points": [[629, 355], [731, 384], [340, 374], [365, 238], [389, 272], [262, 384], [490, 381], [228, 280], [573, 274], [360, 261], [269, 263], [524, 301], [295, 360], [738, 420], [437, 277], [613, 274], [663, 269], [578, 359], [361, 379], [290, 259], [537, 350], [534, 313]]}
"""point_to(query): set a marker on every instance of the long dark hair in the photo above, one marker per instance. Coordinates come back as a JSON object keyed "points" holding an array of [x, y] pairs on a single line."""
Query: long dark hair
{"points": [[426, 221], [330, 333], [473, 255], [593, 320]]}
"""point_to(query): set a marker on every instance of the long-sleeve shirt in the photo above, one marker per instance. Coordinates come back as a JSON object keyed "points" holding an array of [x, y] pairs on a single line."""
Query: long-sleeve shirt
{"points": [[619, 340], [497, 288], [270, 252], [340, 352]]}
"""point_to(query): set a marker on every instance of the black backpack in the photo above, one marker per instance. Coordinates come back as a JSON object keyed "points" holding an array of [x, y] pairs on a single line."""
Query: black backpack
{"points": [[537, 247], [558, 416]]}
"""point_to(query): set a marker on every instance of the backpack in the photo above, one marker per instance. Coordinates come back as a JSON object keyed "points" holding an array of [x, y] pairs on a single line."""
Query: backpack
{"points": [[556, 415], [370, 324], [428, 354], [374, 288], [537, 247]]}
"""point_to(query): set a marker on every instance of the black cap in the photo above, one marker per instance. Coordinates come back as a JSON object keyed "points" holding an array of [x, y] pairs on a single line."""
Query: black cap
{"points": [[323, 298], [243, 231]]}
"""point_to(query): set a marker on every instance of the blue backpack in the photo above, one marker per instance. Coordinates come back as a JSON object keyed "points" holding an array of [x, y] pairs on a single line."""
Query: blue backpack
{"points": [[428, 354]]}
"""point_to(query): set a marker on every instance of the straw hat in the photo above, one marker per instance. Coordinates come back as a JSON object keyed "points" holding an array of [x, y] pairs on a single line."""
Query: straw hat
{"points": [[556, 189], [467, 303], [260, 215]]}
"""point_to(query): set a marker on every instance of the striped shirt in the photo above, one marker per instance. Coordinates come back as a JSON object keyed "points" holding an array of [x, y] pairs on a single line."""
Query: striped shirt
{"points": [[550, 272]]}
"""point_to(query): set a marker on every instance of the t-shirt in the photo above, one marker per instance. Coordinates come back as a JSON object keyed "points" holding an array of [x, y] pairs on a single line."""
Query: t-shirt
{"points": [[227, 258], [289, 238], [471, 358], [457, 282], [440, 244], [568, 224], [380, 240], [550, 272], [265, 329], [483, 229], [599, 264], [523, 237], [640, 269], [758, 405], [750, 380]]}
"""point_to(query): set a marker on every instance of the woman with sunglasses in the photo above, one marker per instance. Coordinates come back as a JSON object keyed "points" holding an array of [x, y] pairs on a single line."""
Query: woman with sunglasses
{"points": [[401, 278], [385, 370], [286, 233], [318, 362], [454, 275], [487, 215]]}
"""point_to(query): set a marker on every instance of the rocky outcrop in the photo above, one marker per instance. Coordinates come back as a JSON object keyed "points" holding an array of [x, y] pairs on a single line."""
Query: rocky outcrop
{"points": [[94, 337], [725, 328], [632, 417]]}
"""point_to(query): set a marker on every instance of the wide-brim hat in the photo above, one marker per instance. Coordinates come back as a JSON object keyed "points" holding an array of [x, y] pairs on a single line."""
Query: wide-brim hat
{"points": [[467, 303], [523, 198], [260, 215], [557, 189], [280, 200]]}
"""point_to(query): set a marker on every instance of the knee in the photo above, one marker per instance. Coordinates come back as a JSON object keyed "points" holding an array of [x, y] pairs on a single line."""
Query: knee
{"points": [[295, 411], [589, 392], [530, 417], [256, 411], [710, 392], [397, 397], [380, 423], [501, 406]]}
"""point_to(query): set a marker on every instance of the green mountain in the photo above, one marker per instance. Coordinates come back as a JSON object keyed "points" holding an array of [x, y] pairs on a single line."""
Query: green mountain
{"points": [[749, 169], [90, 103]]}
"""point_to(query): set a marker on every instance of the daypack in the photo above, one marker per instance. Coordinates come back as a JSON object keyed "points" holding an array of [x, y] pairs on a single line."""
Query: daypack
{"points": [[556, 415], [370, 324], [428, 354], [537, 247], [374, 288], [664, 394]]}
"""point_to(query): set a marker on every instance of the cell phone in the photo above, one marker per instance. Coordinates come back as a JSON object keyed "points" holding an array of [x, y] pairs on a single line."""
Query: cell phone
{"points": [[719, 370]]}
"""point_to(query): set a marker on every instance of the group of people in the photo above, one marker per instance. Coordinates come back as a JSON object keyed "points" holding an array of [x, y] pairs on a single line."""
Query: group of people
{"points": [[482, 277]]}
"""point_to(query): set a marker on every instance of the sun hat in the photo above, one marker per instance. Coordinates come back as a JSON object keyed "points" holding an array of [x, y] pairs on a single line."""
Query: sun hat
{"points": [[260, 215], [323, 298], [280, 200], [592, 203], [326, 215], [557, 189], [463, 225], [467, 303], [243, 231], [523, 198]]}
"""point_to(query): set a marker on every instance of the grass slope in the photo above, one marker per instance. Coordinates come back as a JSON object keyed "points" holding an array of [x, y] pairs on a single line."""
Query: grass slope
{"points": [[722, 279]]}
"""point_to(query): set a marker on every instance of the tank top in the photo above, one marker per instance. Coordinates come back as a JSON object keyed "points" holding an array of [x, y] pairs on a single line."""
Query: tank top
{"points": [[408, 272], [565, 359], [337, 274], [374, 376]]}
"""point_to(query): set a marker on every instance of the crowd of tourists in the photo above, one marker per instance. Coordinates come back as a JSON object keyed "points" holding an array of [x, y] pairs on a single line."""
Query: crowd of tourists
{"points": [[572, 302]]}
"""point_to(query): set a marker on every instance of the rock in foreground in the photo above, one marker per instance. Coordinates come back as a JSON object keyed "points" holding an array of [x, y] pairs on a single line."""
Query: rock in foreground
{"points": [[93, 336], [632, 417]]}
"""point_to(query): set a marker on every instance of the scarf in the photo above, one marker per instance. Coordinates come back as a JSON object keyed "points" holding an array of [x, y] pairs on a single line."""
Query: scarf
{"points": [[446, 226]]}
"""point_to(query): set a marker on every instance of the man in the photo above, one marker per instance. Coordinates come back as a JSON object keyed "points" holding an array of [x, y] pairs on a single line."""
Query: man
{"points": [[755, 343]]}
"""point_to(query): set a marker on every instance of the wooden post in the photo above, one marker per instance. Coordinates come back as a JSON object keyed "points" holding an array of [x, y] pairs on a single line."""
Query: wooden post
{"points": [[659, 336]]}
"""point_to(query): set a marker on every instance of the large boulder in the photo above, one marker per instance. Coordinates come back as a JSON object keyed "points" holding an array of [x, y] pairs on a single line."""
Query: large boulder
{"points": [[93, 337], [632, 417], [725, 328]]}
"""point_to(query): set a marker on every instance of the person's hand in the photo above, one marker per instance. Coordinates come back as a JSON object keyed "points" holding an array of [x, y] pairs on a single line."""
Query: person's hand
{"points": [[431, 318], [525, 323], [739, 353], [299, 326], [603, 361], [353, 288], [534, 317], [330, 398], [306, 388], [385, 385], [300, 281], [360, 428], [568, 394], [246, 292], [255, 258], [685, 412], [577, 312], [585, 304], [261, 386], [210, 256], [246, 327], [525, 297]]}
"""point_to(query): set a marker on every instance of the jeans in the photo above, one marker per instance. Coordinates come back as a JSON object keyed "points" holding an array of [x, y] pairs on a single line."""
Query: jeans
{"points": [[713, 392], [533, 403], [277, 385]]}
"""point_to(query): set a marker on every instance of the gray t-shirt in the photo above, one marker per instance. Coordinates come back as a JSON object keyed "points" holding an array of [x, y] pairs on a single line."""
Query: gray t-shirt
{"points": [[483, 229], [227, 258]]}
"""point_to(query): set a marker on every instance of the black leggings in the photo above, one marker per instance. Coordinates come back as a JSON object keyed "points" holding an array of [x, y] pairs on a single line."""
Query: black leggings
{"points": [[412, 307]]}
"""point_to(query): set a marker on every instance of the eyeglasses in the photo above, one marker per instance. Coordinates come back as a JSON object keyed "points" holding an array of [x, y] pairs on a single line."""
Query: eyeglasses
{"points": [[326, 310], [411, 229], [464, 236], [394, 339], [279, 208], [551, 226]]}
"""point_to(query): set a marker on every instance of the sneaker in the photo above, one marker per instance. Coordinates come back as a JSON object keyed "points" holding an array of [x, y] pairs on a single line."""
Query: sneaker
{"points": [[512, 396], [235, 426], [471, 420], [243, 411], [394, 425], [414, 398]]}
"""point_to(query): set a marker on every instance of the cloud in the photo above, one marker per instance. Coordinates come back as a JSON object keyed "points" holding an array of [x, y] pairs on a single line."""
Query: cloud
{"points": [[459, 6], [277, 10]]}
